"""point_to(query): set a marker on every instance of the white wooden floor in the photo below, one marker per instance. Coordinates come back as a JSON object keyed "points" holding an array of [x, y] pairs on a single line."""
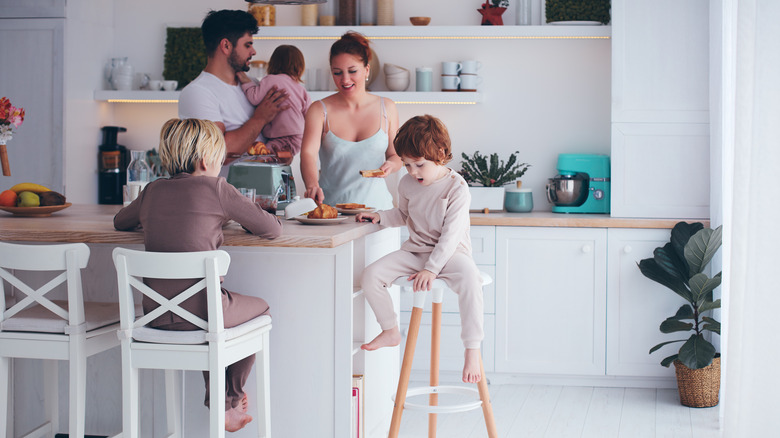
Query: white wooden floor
{"points": [[571, 411]]}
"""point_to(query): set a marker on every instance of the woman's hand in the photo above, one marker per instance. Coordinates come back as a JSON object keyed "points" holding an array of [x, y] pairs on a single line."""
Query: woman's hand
{"points": [[315, 193], [422, 280], [388, 167]]}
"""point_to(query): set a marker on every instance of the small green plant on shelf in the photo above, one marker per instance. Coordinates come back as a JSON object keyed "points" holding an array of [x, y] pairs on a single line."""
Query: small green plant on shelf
{"points": [[577, 10], [490, 171]]}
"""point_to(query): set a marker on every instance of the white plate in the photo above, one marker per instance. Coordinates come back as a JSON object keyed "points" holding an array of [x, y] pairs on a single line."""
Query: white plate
{"points": [[575, 23], [307, 221], [355, 210]]}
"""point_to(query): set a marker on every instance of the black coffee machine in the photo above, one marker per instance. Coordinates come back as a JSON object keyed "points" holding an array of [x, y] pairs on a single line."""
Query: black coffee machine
{"points": [[112, 166]]}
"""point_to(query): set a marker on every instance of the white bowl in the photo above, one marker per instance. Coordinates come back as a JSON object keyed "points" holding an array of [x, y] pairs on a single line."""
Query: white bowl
{"points": [[392, 68], [395, 83]]}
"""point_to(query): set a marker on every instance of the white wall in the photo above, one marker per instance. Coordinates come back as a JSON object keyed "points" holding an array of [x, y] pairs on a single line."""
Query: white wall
{"points": [[540, 97]]}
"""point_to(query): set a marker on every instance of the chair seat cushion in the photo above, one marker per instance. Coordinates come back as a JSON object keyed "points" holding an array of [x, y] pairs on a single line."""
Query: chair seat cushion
{"points": [[37, 318], [157, 336]]}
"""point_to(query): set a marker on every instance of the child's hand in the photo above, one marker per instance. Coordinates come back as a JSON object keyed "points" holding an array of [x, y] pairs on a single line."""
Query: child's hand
{"points": [[242, 77], [367, 217], [422, 280]]}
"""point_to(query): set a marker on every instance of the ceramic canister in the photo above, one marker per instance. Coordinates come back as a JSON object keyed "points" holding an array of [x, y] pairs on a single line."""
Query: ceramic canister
{"points": [[518, 200]]}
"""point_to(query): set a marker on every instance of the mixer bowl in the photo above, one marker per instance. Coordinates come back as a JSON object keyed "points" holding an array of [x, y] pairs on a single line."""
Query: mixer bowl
{"points": [[567, 190]]}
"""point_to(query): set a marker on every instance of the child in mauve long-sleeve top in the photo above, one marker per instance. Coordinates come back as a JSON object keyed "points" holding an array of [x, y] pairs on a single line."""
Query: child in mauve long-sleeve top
{"points": [[433, 202], [285, 68], [186, 213]]}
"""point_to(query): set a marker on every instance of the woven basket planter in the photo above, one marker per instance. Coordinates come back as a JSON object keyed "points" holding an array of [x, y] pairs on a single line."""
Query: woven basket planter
{"points": [[698, 388]]}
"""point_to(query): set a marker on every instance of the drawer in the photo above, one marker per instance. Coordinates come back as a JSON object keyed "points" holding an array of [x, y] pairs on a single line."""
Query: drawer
{"points": [[451, 354], [483, 243], [450, 299]]}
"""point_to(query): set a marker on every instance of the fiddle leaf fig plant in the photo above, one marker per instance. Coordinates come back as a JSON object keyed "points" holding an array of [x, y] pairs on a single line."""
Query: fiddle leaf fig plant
{"points": [[490, 171], [679, 266]]}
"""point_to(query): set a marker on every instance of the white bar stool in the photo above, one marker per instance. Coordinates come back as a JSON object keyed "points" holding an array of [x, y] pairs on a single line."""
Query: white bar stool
{"points": [[433, 408], [38, 326]]}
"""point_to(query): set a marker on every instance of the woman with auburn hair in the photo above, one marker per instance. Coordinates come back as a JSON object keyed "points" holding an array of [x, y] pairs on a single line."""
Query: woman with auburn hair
{"points": [[350, 131]]}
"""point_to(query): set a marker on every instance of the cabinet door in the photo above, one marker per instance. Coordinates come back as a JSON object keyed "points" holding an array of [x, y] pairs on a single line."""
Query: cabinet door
{"points": [[660, 61], [660, 170], [636, 306], [550, 300], [32, 63]]}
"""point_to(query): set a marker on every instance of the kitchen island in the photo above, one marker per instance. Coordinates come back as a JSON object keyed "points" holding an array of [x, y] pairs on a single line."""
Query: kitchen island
{"points": [[310, 278]]}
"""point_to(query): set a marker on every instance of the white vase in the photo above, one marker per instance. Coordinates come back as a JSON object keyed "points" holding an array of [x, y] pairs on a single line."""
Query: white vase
{"points": [[491, 198]]}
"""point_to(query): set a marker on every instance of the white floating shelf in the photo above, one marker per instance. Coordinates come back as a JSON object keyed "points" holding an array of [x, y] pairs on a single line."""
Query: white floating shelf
{"points": [[400, 98], [436, 32]]}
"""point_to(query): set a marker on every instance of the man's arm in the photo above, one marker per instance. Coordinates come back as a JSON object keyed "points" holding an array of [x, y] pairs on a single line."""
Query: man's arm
{"points": [[239, 140]]}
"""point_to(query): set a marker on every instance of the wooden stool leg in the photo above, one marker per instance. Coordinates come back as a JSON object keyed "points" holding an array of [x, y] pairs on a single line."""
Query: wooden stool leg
{"points": [[433, 399], [487, 408], [406, 370]]}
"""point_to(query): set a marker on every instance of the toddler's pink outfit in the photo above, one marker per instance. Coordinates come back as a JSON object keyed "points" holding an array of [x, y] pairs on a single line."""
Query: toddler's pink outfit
{"points": [[285, 131]]}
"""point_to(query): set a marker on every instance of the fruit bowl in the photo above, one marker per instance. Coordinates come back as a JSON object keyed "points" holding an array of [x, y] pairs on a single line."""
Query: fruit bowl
{"points": [[36, 211]]}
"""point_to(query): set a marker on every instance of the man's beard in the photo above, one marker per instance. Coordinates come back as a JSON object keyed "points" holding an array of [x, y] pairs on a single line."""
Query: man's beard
{"points": [[236, 63]]}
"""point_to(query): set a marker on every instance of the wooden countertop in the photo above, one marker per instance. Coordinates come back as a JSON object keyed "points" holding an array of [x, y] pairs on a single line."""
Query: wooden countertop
{"points": [[95, 224], [549, 219]]}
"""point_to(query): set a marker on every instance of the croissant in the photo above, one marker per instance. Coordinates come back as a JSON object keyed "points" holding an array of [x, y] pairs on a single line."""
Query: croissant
{"points": [[323, 211]]}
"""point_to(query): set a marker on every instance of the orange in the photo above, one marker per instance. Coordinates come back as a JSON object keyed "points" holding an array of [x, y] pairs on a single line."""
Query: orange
{"points": [[8, 198]]}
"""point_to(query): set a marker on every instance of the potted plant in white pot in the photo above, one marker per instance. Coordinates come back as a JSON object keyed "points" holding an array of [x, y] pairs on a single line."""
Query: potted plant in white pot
{"points": [[486, 177], [679, 265]]}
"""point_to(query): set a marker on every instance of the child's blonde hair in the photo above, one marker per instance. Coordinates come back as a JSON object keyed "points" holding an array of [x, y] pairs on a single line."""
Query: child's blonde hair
{"points": [[424, 137], [184, 143], [287, 60]]}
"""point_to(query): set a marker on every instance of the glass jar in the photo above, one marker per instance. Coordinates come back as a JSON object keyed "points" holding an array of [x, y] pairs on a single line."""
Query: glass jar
{"points": [[264, 14]]}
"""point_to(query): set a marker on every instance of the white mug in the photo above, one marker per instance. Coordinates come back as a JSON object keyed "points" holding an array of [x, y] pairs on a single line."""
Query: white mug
{"points": [[470, 67], [170, 85], [450, 68], [155, 85], [469, 82], [449, 82]]}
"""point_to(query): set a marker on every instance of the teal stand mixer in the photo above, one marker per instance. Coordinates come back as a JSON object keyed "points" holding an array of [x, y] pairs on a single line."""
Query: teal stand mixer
{"points": [[582, 185]]}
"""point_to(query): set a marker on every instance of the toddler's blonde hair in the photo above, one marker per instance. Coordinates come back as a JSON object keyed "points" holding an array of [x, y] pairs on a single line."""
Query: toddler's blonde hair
{"points": [[184, 143]]}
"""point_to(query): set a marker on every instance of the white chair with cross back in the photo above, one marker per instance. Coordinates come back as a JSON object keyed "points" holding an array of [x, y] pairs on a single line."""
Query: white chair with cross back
{"points": [[39, 327], [210, 349]]}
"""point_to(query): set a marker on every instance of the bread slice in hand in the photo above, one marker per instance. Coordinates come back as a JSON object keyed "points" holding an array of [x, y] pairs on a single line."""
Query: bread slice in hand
{"points": [[372, 173]]}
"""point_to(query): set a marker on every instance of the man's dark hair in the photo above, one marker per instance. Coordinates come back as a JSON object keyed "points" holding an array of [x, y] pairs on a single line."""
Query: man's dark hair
{"points": [[230, 24]]}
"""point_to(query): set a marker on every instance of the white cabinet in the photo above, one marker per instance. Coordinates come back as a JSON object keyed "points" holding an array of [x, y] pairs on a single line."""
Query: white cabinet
{"points": [[551, 300], [660, 108], [636, 305], [32, 78], [660, 170]]}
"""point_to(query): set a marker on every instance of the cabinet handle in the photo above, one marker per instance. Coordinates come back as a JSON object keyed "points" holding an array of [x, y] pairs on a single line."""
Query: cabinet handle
{"points": [[586, 248], [627, 249]]}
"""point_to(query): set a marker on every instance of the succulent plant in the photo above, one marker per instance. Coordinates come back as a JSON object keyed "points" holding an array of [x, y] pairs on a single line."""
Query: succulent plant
{"points": [[577, 10], [477, 169]]}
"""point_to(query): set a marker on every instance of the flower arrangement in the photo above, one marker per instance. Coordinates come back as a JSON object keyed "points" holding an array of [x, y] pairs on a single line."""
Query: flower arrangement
{"points": [[477, 169], [10, 117], [492, 10]]}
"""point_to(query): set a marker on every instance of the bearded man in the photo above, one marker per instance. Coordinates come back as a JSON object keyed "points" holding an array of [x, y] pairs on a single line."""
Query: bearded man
{"points": [[216, 94]]}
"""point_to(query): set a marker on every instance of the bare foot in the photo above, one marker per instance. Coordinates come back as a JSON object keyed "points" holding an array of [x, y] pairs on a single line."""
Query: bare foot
{"points": [[471, 368], [235, 420], [243, 405], [388, 338]]}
